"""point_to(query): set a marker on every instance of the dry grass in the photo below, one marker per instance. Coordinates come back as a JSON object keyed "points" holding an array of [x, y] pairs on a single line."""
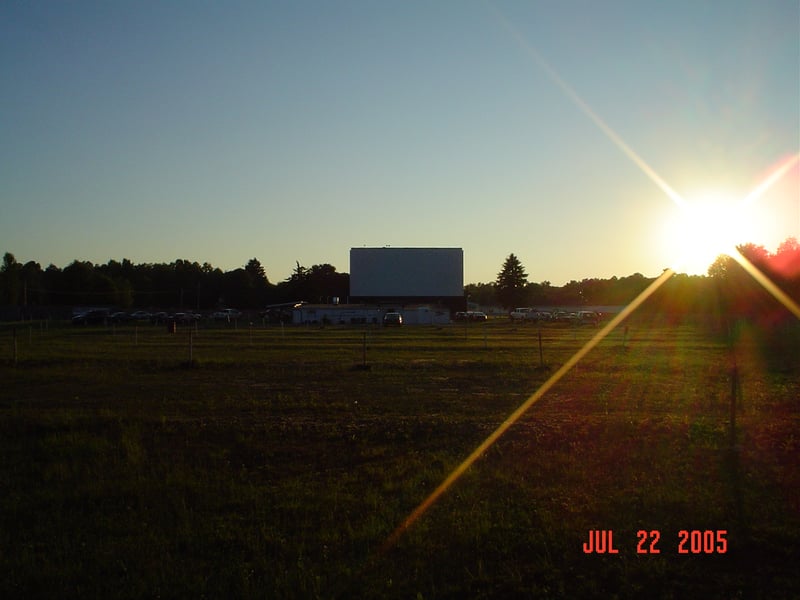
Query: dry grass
{"points": [[269, 466]]}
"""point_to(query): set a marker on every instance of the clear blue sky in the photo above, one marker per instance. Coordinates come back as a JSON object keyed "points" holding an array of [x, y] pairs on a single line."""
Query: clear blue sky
{"points": [[222, 131]]}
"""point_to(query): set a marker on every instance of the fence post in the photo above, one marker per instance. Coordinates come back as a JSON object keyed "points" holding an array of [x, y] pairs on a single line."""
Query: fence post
{"points": [[541, 353], [364, 351], [734, 393]]}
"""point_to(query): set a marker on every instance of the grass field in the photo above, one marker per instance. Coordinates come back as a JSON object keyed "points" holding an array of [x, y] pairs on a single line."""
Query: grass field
{"points": [[273, 464]]}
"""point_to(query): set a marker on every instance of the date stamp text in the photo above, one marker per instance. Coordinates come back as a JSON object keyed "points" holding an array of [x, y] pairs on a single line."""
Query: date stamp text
{"points": [[694, 541]]}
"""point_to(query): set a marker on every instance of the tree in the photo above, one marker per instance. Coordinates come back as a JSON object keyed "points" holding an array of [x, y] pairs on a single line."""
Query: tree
{"points": [[295, 287], [510, 283], [31, 275], [257, 273], [320, 283], [720, 268], [739, 294], [540, 293], [10, 280], [787, 258], [482, 294], [324, 283], [238, 289], [77, 280], [790, 244]]}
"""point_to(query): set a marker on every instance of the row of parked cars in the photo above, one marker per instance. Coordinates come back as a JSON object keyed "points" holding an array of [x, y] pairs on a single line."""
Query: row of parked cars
{"points": [[580, 317], [103, 316]]}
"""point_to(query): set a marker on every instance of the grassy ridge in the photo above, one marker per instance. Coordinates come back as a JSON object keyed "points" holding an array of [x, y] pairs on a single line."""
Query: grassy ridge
{"points": [[271, 465]]}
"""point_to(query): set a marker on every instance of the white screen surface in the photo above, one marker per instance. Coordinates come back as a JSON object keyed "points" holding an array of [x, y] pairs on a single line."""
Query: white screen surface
{"points": [[398, 272]]}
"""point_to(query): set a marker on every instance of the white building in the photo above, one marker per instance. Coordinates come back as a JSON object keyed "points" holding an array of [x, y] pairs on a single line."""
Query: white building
{"points": [[362, 314]]}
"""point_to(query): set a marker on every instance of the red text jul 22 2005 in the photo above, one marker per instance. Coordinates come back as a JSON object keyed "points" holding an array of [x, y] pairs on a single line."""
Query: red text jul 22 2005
{"points": [[687, 541]]}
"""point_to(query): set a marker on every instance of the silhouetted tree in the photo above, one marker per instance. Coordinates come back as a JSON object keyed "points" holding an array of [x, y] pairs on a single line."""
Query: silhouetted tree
{"points": [[510, 283], [786, 262], [256, 271], [483, 294], [187, 284], [238, 290], [51, 282], [320, 283], [10, 280], [31, 278], [740, 295], [262, 291]]}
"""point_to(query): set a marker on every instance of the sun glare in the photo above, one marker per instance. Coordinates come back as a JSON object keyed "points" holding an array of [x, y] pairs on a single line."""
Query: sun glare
{"points": [[704, 227]]}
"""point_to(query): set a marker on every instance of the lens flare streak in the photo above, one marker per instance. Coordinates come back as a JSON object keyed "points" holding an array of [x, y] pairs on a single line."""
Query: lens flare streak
{"points": [[522, 409], [593, 116], [762, 279], [772, 178], [767, 283]]}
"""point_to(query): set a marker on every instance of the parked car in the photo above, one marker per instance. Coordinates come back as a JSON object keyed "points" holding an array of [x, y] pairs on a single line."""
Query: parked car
{"points": [[140, 315], [563, 316], [588, 317], [519, 314], [90, 317], [529, 314], [392, 319], [227, 314], [470, 315], [185, 318], [119, 317]]}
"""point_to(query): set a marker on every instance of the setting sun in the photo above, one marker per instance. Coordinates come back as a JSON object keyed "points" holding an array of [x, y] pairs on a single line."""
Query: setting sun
{"points": [[705, 226], [707, 223]]}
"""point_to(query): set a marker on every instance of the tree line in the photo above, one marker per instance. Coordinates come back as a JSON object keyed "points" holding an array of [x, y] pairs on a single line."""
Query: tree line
{"points": [[512, 289], [179, 284], [728, 289], [191, 285]]}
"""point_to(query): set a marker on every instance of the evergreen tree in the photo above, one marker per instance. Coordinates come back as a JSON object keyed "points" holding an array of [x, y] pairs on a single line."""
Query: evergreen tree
{"points": [[257, 273], [510, 284]]}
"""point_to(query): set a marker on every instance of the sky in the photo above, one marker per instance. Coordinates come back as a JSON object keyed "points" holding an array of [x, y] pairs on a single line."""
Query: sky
{"points": [[292, 131]]}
